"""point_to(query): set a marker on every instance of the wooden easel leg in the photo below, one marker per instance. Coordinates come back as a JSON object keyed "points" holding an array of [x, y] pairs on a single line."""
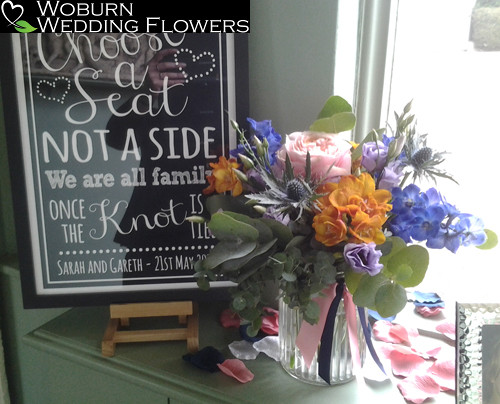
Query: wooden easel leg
{"points": [[108, 342], [192, 331]]}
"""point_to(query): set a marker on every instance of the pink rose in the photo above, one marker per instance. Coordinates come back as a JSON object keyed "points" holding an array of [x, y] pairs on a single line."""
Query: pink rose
{"points": [[330, 155]]}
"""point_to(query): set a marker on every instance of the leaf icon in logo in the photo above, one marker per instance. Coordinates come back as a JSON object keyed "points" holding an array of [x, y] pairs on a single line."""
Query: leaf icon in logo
{"points": [[24, 26]]}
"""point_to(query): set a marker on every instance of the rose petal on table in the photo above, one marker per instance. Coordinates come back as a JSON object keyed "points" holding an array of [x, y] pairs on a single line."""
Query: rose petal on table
{"points": [[425, 352], [229, 319], [404, 334], [270, 324], [406, 364], [426, 311], [243, 350], [447, 329], [236, 369], [443, 372], [394, 333], [418, 388], [269, 346]]}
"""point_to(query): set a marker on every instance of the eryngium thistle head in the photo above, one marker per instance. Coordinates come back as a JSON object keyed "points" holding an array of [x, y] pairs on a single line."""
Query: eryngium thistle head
{"points": [[422, 156], [295, 190]]}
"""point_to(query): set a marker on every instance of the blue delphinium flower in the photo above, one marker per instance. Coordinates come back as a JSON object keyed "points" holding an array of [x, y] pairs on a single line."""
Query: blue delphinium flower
{"points": [[460, 230], [405, 200], [262, 130], [428, 217], [426, 222]]}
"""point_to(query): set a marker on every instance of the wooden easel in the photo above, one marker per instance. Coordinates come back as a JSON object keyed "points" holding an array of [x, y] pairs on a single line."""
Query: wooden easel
{"points": [[120, 315]]}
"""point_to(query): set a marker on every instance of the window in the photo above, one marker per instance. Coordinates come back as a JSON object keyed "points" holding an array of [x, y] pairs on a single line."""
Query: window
{"points": [[443, 61]]}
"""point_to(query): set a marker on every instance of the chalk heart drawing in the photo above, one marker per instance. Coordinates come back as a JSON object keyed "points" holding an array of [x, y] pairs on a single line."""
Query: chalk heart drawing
{"points": [[53, 90], [15, 10], [197, 66]]}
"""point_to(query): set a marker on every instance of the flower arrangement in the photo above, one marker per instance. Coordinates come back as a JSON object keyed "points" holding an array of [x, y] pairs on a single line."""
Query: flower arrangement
{"points": [[313, 208]]}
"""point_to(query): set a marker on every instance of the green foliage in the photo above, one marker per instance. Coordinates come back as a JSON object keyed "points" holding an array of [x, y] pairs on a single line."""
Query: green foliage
{"points": [[491, 241], [404, 266], [251, 251], [335, 117]]}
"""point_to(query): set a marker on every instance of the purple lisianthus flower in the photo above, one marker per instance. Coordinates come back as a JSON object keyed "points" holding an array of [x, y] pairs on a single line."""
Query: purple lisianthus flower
{"points": [[390, 176], [363, 258], [374, 156]]}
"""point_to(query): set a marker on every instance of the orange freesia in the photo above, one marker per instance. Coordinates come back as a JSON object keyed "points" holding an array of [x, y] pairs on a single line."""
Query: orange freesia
{"points": [[352, 210], [224, 178], [354, 194], [366, 229], [325, 190], [329, 227]]}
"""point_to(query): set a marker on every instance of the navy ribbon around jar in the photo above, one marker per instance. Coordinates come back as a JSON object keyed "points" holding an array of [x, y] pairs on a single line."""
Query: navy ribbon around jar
{"points": [[325, 351]]}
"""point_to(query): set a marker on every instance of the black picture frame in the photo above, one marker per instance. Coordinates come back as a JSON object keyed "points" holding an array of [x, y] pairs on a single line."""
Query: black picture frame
{"points": [[59, 137]]}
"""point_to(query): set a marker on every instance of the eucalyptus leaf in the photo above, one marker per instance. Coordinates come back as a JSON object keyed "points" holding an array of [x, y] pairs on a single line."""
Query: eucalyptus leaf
{"points": [[409, 265], [352, 280], [366, 291], [337, 123], [203, 283], [223, 202], [239, 303], [265, 232], [283, 233], [334, 105], [239, 263], [225, 227], [312, 312], [390, 299], [250, 313], [227, 250], [391, 246]]}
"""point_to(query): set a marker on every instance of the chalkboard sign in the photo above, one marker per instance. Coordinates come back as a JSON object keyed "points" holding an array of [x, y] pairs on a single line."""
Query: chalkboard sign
{"points": [[110, 138]]}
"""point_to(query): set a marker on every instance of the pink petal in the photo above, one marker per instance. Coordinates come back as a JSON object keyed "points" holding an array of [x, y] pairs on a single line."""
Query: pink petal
{"points": [[381, 331], [429, 311], [443, 372], [384, 330], [447, 329], [418, 388], [404, 334], [270, 324], [229, 319], [426, 354], [406, 364], [237, 369]]}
